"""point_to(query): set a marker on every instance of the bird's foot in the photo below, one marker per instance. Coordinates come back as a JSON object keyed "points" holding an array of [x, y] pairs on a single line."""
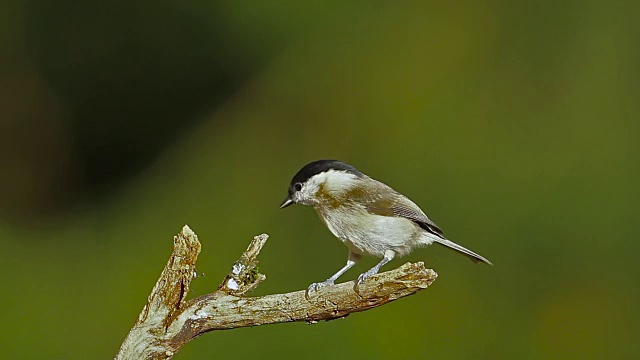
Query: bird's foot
{"points": [[364, 276], [316, 287]]}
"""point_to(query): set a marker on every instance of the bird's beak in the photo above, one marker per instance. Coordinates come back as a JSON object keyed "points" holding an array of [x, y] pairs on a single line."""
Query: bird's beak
{"points": [[286, 203]]}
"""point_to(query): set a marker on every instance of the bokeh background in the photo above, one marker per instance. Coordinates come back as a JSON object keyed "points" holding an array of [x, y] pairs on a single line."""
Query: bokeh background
{"points": [[514, 124]]}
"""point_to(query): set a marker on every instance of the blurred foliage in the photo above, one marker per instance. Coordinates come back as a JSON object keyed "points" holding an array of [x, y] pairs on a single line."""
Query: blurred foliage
{"points": [[512, 124]]}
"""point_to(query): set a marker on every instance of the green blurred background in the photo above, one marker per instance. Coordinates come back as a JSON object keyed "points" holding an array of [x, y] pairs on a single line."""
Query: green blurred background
{"points": [[513, 124]]}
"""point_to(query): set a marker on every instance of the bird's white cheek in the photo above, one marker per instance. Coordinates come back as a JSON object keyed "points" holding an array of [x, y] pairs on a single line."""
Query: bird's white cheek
{"points": [[307, 196], [301, 198]]}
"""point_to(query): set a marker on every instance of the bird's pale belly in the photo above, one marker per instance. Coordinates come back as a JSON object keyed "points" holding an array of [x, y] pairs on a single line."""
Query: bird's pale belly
{"points": [[372, 235]]}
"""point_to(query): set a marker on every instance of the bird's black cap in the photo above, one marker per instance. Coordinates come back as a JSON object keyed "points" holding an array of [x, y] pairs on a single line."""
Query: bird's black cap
{"points": [[319, 166]]}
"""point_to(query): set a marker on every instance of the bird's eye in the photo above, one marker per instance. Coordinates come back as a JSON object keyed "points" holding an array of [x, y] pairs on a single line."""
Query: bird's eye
{"points": [[297, 186]]}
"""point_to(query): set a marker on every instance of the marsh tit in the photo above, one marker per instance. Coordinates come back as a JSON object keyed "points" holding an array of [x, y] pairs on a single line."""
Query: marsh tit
{"points": [[369, 217]]}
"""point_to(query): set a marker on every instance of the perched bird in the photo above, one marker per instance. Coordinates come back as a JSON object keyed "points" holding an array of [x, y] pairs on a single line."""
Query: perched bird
{"points": [[369, 217]]}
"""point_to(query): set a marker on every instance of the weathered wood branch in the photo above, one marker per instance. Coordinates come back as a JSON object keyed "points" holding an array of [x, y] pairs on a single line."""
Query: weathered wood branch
{"points": [[168, 320]]}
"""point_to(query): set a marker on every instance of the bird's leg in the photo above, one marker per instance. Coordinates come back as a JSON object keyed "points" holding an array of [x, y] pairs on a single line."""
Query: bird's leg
{"points": [[388, 256], [351, 260]]}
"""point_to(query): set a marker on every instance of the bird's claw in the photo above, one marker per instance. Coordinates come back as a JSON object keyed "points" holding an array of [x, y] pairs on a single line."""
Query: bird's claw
{"points": [[316, 287], [361, 278]]}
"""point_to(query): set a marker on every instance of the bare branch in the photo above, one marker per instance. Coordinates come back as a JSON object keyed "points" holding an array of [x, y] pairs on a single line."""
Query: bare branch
{"points": [[168, 322], [167, 297]]}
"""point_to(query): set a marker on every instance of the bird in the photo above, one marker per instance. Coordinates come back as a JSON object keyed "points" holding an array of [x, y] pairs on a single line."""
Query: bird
{"points": [[368, 216]]}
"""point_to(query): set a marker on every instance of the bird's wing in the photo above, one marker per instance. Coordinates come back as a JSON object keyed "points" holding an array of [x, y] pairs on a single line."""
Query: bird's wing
{"points": [[387, 202]]}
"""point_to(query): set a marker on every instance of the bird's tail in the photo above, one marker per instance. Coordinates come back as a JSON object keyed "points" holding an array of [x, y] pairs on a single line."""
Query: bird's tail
{"points": [[451, 245]]}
